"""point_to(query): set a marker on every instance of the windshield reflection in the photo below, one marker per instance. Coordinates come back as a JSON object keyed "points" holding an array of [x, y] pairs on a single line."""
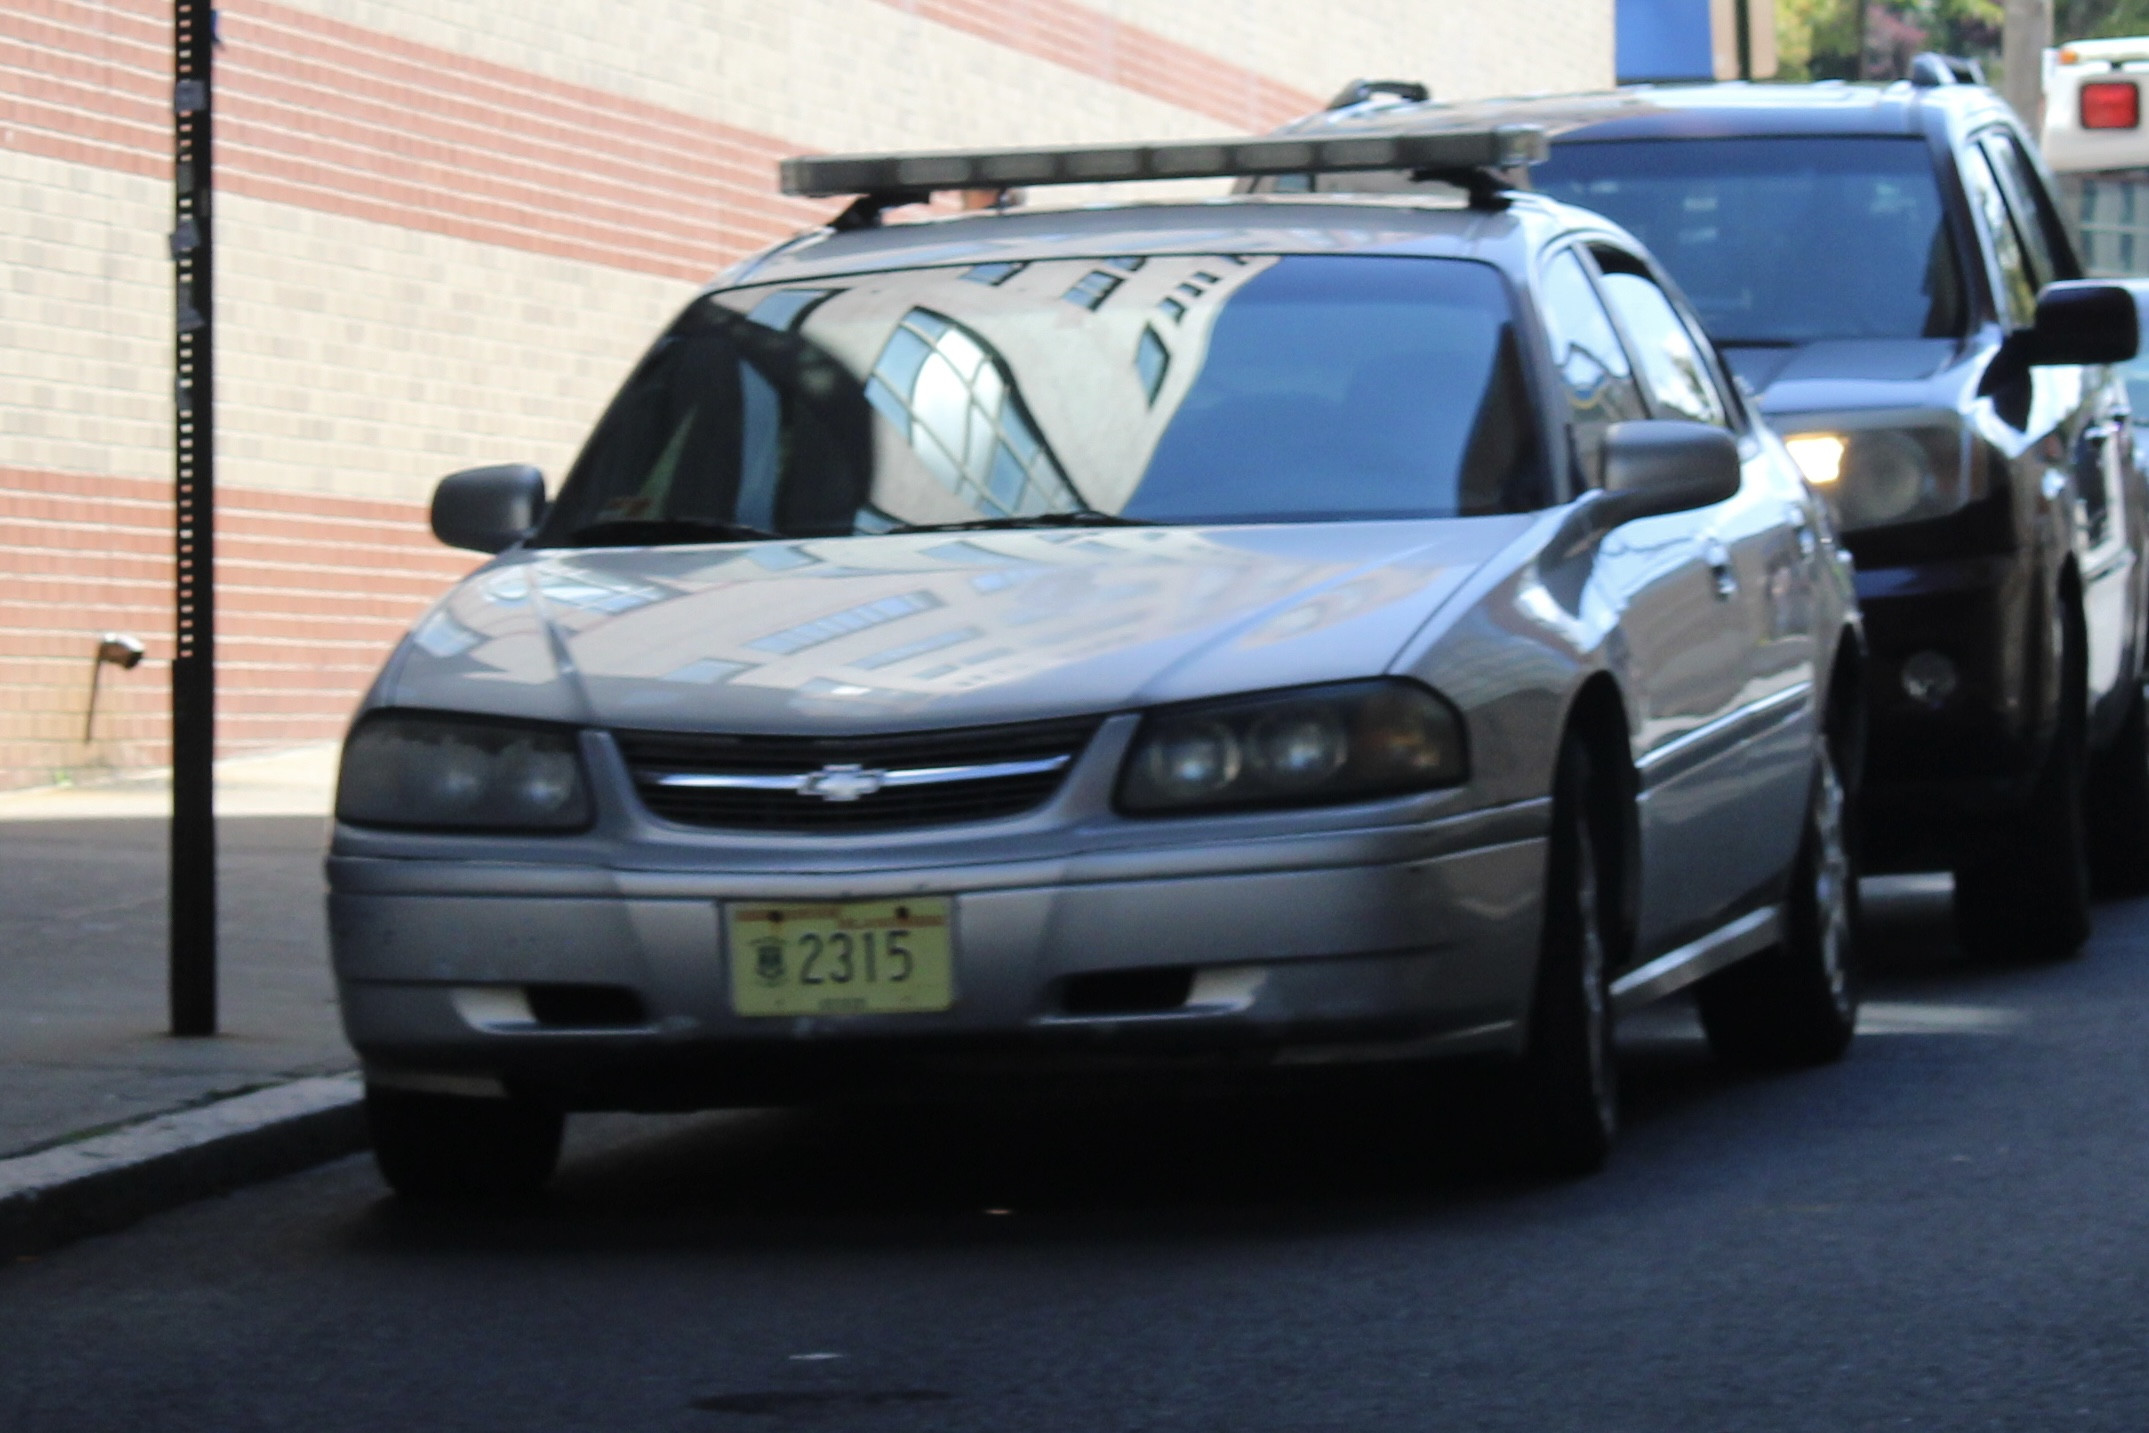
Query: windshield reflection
{"points": [[1179, 389]]}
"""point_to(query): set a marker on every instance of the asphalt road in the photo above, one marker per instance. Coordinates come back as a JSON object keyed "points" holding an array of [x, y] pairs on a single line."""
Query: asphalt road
{"points": [[1948, 1231]]}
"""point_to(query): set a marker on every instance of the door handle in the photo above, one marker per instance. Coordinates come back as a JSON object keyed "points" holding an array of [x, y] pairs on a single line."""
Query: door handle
{"points": [[1719, 559], [1802, 528]]}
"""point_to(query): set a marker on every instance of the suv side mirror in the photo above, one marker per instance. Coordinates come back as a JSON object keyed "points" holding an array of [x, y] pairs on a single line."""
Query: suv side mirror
{"points": [[489, 509], [2081, 321], [1661, 465]]}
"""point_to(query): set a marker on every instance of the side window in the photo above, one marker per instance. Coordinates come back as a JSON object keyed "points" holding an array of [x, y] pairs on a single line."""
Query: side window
{"points": [[2018, 289], [1674, 369], [1593, 368], [2043, 240]]}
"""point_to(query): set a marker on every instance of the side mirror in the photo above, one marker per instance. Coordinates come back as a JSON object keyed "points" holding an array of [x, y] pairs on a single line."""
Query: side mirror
{"points": [[1660, 465], [2081, 321], [489, 509]]}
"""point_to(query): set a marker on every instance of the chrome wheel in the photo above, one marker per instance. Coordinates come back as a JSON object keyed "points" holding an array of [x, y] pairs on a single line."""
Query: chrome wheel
{"points": [[1797, 1002], [1833, 896]]}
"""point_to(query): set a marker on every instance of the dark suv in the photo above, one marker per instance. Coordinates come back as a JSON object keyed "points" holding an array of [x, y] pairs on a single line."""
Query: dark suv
{"points": [[1885, 267]]}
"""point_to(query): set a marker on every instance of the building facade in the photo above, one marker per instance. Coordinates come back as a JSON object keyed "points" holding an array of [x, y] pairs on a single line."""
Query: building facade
{"points": [[445, 228]]}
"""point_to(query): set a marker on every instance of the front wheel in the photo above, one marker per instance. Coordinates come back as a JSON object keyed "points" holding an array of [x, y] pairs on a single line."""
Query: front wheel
{"points": [[1797, 1003], [1568, 1084], [2027, 898], [2119, 808], [448, 1148]]}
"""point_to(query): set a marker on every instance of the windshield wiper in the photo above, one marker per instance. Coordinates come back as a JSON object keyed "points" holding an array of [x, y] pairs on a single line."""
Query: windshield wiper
{"points": [[656, 531], [1079, 517]]}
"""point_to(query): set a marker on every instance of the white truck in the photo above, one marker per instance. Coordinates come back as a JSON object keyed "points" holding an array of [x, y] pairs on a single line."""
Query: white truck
{"points": [[2098, 148]]}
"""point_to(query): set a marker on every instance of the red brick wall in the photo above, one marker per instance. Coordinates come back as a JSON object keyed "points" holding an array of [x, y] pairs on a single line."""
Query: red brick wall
{"points": [[312, 592]]}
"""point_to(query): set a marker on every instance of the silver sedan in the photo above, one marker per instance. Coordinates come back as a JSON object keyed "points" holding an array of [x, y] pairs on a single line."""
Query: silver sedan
{"points": [[1277, 631]]}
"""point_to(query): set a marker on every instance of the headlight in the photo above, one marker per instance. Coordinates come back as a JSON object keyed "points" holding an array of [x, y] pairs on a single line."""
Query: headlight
{"points": [[461, 774], [1873, 477], [1818, 455], [1315, 744]]}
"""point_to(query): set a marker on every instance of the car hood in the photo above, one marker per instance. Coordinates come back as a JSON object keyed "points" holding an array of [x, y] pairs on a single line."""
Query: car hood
{"points": [[1842, 373], [931, 629]]}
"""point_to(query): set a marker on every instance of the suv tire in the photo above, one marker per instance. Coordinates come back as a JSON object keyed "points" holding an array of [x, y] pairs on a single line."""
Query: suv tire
{"points": [[2119, 808], [452, 1149], [2026, 895], [1797, 1002]]}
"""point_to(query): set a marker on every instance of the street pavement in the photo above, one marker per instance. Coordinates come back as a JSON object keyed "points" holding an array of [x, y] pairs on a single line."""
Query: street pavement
{"points": [[1946, 1231], [83, 881]]}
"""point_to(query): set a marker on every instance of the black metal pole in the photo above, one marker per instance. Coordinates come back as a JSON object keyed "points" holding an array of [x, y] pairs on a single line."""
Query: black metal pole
{"points": [[193, 895]]}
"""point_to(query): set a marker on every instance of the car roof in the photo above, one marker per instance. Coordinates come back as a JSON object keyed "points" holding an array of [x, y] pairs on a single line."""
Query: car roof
{"points": [[1400, 224], [1737, 109]]}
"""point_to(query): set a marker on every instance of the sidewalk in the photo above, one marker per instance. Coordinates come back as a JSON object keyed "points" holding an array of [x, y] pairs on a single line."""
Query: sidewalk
{"points": [[82, 949]]}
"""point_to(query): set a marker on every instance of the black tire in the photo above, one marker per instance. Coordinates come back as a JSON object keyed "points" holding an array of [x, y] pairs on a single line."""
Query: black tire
{"points": [[450, 1149], [1567, 1088], [2026, 895], [2119, 808], [1797, 1003]]}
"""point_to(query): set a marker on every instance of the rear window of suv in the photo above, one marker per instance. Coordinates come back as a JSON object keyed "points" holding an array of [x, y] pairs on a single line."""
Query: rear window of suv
{"points": [[1781, 240]]}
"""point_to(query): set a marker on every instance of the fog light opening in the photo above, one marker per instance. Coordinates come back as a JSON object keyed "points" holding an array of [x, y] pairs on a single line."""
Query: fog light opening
{"points": [[1128, 992], [1930, 679], [585, 1007]]}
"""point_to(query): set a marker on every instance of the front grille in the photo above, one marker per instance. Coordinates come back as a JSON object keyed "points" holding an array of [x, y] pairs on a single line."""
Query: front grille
{"points": [[654, 755]]}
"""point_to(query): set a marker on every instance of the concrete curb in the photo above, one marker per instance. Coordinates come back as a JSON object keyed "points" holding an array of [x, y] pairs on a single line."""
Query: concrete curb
{"points": [[108, 1181]]}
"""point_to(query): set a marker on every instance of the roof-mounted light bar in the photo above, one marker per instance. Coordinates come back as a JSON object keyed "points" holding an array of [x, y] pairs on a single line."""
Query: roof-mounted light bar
{"points": [[911, 176]]}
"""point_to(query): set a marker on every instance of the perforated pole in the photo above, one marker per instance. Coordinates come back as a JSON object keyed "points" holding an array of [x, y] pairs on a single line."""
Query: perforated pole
{"points": [[193, 855]]}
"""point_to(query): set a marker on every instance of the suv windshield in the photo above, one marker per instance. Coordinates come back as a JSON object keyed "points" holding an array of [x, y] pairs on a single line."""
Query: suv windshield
{"points": [[1781, 240], [1165, 389]]}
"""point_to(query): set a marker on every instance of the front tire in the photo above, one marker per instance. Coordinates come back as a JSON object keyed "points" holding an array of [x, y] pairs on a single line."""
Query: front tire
{"points": [[2027, 896], [1797, 1003], [452, 1149], [1568, 1085], [2119, 808]]}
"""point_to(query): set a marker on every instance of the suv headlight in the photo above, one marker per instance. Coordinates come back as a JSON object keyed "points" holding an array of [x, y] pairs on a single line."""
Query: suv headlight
{"points": [[1347, 742], [1875, 476], [446, 773]]}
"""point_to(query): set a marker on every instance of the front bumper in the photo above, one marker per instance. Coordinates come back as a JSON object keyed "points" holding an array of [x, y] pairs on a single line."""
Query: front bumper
{"points": [[1938, 775], [1338, 946]]}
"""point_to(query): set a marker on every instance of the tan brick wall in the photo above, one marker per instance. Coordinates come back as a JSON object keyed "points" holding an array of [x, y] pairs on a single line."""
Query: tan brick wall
{"points": [[824, 74], [446, 227], [85, 318], [1463, 49], [367, 360]]}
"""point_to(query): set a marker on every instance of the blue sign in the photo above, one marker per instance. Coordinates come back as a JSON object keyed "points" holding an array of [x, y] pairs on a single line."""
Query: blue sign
{"points": [[1664, 40]]}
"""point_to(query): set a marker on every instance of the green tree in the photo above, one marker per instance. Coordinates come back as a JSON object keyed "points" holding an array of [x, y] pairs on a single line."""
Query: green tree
{"points": [[2096, 19], [1816, 39], [1840, 40]]}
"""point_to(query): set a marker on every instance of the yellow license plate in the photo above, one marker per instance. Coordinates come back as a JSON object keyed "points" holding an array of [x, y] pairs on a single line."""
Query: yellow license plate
{"points": [[842, 958]]}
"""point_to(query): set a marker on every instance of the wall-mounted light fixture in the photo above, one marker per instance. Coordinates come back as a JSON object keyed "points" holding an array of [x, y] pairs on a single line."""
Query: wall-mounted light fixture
{"points": [[114, 649]]}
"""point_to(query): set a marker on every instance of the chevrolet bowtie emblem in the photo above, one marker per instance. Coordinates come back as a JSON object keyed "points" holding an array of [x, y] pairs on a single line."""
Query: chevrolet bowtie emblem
{"points": [[842, 783]]}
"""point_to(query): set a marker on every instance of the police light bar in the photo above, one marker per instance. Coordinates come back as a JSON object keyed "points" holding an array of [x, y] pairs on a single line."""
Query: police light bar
{"points": [[832, 175]]}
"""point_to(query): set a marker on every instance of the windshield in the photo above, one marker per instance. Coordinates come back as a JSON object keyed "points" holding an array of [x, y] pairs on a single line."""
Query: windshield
{"points": [[1781, 241], [1166, 389]]}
